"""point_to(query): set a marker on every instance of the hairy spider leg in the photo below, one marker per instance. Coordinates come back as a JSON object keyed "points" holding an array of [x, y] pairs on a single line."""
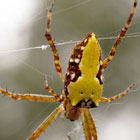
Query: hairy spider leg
{"points": [[85, 124], [50, 90], [111, 99], [30, 97], [50, 40], [91, 123], [120, 37], [46, 123]]}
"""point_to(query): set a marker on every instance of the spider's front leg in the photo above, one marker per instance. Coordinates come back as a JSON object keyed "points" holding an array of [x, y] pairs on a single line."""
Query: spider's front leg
{"points": [[50, 40], [88, 125], [46, 123], [91, 124], [120, 37]]}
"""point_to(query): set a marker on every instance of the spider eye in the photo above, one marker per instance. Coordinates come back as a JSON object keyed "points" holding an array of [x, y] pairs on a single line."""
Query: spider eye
{"points": [[92, 93], [81, 92]]}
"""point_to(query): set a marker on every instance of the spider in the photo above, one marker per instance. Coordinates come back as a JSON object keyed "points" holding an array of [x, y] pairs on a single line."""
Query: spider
{"points": [[83, 82]]}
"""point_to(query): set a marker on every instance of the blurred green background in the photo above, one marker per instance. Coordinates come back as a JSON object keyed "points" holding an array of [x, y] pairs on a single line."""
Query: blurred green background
{"points": [[23, 25]]}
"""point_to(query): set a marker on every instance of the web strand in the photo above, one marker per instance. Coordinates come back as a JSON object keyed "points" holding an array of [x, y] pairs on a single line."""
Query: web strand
{"points": [[44, 47]]}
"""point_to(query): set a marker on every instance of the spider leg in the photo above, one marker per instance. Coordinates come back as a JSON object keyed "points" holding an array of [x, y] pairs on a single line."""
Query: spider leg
{"points": [[50, 90], [50, 40], [46, 123], [120, 37], [91, 124], [86, 126], [103, 99], [29, 97]]}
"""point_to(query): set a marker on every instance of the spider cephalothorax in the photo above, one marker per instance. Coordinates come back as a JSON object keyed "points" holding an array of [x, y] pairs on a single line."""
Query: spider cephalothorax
{"points": [[83, 82]]}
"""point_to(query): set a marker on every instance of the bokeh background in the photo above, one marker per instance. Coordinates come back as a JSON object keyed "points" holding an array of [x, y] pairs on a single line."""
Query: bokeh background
{"points": [[22, 25]]}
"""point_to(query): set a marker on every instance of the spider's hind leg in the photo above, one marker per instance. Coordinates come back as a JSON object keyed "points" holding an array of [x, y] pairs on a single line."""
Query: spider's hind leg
{"points": [[50, 40], [120, 37]]}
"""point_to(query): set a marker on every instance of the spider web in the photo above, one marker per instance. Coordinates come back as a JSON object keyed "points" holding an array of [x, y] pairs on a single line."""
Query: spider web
{"points": [[25, 58]]}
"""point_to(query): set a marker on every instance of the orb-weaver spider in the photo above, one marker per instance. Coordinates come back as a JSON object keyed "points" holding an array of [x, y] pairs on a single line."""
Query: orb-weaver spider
{"points": [[83, 82]]}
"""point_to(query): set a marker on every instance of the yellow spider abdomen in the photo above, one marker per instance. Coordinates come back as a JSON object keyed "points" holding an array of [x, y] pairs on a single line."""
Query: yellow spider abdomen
{"points": [[86, 89], [89, 65]]}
